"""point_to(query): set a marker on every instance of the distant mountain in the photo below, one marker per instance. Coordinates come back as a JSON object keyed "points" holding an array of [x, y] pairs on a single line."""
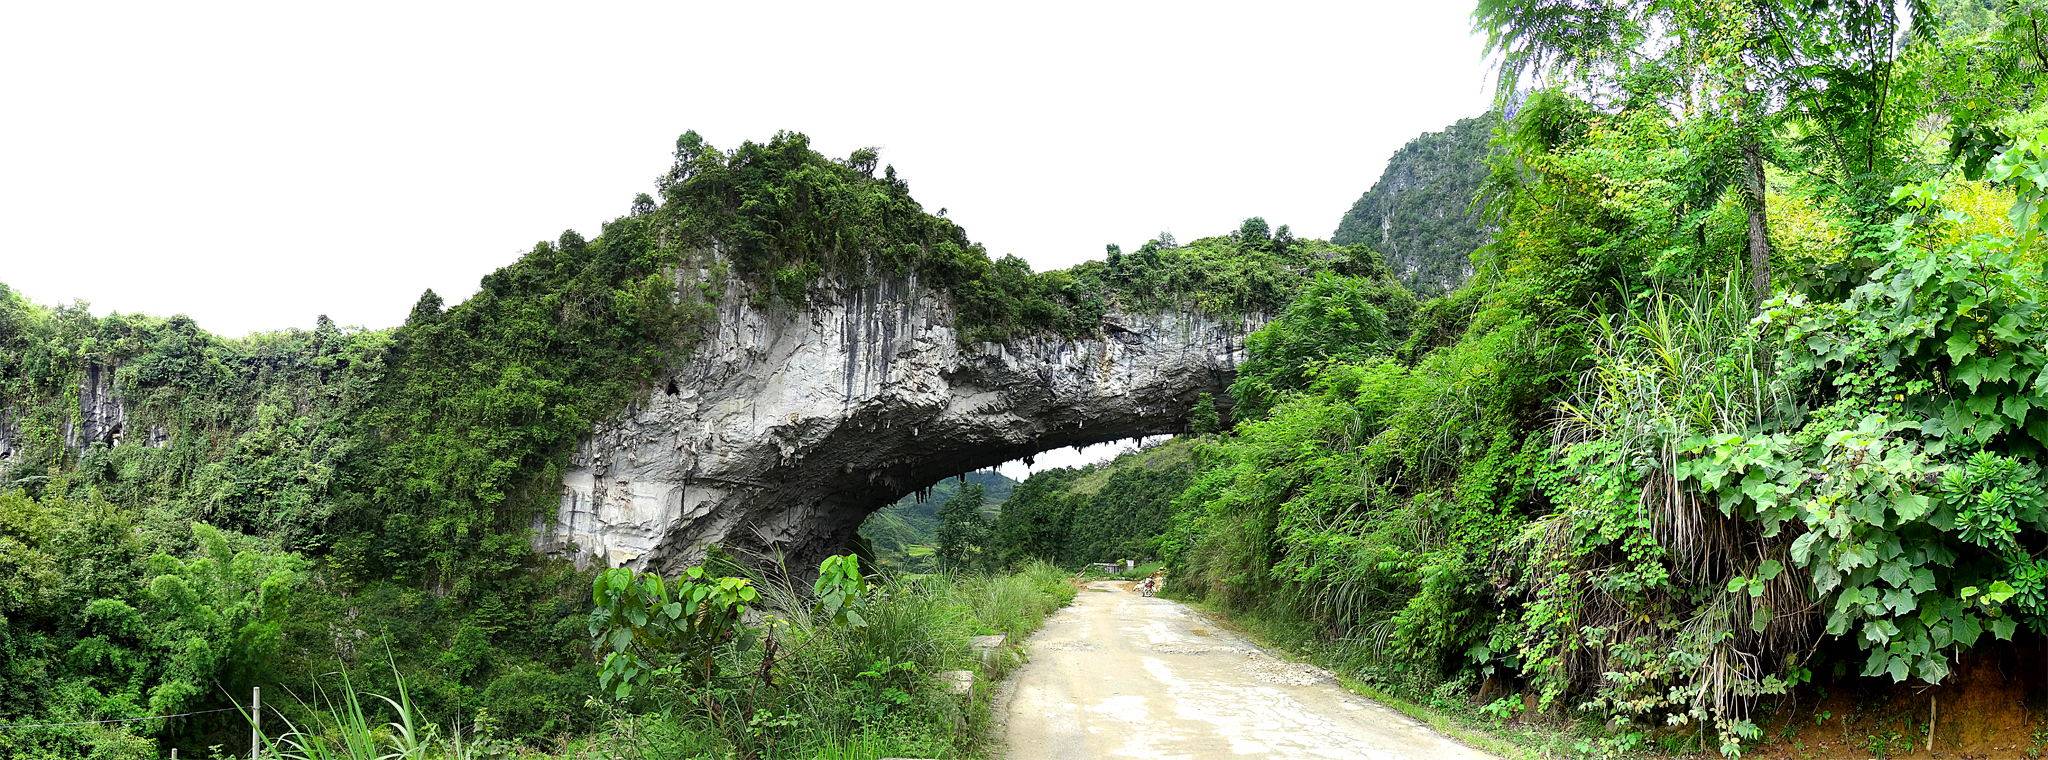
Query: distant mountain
{"points": [[913, 520], [1419, 216]]}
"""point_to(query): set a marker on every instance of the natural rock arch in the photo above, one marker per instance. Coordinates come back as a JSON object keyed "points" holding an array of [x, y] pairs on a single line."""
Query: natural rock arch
{"points": [[786, 427]]}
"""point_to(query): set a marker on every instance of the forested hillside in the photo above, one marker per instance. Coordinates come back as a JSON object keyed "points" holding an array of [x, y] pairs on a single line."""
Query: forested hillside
{"points": [[1743, 398], [1422, 213], [1098, 513], [903, 534], [184, 516]]}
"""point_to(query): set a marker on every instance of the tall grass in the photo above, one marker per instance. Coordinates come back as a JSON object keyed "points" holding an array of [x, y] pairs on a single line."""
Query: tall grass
{"points": [[836, 690], [1684, 365], [1013, 604], [340, 726], [1666, 374], [832, 690]]}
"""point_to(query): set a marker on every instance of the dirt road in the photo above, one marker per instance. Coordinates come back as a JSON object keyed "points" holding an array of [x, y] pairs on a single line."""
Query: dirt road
{"points": [[1117, 674]]}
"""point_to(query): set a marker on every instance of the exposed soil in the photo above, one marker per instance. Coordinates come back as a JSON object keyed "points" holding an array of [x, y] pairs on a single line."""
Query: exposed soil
{"points": [[1990, 707]]}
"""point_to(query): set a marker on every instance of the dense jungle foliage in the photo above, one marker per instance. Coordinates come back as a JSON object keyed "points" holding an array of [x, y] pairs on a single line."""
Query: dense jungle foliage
{"points": [[186, 516], [1099, 513], [1421, 214], [903, 535], [1745, 392]]}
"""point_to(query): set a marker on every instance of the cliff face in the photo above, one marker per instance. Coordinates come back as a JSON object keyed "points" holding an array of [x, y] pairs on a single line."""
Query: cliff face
{"points": [[102, 417], [786, 426], [1418, 215], [102, 412]]}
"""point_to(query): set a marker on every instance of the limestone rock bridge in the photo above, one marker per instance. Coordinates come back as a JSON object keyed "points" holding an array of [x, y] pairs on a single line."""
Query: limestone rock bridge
{"points": [[786, 427]]}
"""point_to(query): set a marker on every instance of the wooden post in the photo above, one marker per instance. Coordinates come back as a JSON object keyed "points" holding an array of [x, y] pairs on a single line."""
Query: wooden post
{"points": [[255, 722]]}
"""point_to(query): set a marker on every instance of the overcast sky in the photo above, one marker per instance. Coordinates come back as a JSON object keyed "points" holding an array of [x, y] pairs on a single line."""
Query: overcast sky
{"points": [[255, 165]]}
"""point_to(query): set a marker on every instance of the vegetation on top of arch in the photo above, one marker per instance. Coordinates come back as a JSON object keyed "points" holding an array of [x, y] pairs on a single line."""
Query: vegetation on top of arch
{"points": [[787, 217]]}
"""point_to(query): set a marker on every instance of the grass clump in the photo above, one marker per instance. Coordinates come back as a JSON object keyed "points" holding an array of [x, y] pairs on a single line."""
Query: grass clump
{"points": [[847, 668]]}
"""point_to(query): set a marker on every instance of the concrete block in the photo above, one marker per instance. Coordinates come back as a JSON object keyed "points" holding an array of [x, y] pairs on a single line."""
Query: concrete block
{"points": [[986, 647], [958, 681]]}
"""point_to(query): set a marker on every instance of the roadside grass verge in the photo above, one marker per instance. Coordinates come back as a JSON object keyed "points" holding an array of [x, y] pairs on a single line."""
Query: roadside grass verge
{"points": [[808, 687], [873, 691]]}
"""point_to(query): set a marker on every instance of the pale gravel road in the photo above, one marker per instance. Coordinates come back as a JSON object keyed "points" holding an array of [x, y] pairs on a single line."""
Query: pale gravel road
{"points": [[1119, 675]]}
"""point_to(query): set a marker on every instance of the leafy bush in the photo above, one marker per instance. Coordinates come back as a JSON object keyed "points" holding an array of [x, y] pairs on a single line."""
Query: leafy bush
{"points": [[845, 663]]}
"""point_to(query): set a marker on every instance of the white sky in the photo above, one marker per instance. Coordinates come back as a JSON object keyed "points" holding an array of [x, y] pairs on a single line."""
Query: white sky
{"points": [[1016, 469], [254, 165]]}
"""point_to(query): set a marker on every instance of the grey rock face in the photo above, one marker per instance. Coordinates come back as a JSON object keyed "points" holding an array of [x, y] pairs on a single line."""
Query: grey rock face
{"points": [[101, 411], [787, 426], [102, 418], [8, 435]]}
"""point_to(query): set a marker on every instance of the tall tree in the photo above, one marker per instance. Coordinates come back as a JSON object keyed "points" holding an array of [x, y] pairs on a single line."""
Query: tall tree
{"points": [[963, 529], [1747, 64], [1991, 61]]}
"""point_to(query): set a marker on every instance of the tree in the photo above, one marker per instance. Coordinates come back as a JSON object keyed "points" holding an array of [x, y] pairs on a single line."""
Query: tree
{"points": [[1035, 517], [427, 309], [864, 161], [1741, 65], [1989, 64], [1255, 231], [963, 529], [1202, 419]]}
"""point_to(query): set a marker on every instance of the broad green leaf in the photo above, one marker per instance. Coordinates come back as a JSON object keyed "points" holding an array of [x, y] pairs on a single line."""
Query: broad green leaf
{"points": [[1895, 573], [2003, 628], [1960, 345], [1902, 601], [1923, 581], [1802, 547], [1966, 629], [1911, 507], [1999, 592], [2015, 408], [1932, 669], [1969, 373]]}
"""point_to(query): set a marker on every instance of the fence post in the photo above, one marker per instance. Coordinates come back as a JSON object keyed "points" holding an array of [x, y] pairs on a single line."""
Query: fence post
{"points": [[255, 722]]}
